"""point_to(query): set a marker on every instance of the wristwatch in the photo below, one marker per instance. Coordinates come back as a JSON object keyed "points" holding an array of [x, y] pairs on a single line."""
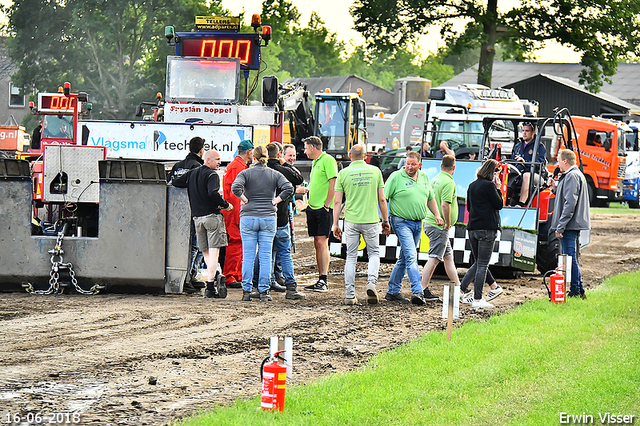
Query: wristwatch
{"points": [[385, 221]]}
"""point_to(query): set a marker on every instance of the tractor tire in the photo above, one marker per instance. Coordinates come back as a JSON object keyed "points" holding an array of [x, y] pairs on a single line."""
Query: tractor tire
{"points": [[635, 203], [547, 255]]}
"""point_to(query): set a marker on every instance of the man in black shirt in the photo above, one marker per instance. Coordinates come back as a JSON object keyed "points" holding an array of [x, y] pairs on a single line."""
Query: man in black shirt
{"points": [[191, 161], [203, 186]]}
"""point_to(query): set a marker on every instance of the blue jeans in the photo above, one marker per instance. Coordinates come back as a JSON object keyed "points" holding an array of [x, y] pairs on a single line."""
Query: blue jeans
{"points": [[281, 255], [257, 231], [569, 242], [482, 241], [282, 251], [408, 233]]}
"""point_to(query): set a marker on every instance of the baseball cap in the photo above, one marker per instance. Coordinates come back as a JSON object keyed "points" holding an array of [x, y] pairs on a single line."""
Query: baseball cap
{"points": [[245, 145]]}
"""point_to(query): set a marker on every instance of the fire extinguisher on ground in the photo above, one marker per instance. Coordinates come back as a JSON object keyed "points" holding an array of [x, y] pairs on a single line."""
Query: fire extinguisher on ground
{"points": [[274, 382], [557, 281]]}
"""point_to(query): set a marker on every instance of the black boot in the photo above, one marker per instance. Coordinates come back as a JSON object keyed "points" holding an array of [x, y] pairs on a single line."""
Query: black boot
{"points": [[293, 294], [277, 287], [211, 291], [220, 285]]}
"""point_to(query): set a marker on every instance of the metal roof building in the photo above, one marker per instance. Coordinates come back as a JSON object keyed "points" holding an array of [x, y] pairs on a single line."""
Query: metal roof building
{"points": [[554, 84]]}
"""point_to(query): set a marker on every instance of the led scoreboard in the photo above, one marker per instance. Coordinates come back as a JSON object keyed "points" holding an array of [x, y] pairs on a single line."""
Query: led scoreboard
{"points": [[56, 103], [243, 46]]}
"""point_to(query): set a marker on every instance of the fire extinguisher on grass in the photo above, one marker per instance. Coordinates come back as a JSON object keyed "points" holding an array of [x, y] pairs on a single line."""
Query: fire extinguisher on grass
{"points": [[274, 382], [556, 287]]}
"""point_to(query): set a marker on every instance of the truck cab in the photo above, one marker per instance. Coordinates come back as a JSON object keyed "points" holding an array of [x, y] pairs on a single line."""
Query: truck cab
{"points": [[602, 145], [340, 122]]}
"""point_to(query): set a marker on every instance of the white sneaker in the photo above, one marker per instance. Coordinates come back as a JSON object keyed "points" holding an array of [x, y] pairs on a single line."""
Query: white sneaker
{"points": [[481, 304], [467, 298], [372, 295], [493, 293]]}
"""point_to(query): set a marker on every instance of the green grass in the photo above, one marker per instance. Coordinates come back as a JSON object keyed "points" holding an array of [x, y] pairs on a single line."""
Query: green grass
{"points": [[521, 368], [615, 208]]}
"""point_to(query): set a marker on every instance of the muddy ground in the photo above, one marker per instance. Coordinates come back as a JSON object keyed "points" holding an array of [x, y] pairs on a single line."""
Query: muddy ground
{"points": [[148, 360]]}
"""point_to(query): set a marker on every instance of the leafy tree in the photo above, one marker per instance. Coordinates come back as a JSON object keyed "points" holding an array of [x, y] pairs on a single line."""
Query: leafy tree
{"points": [[384, 68], [113, 49], [603, 31]]}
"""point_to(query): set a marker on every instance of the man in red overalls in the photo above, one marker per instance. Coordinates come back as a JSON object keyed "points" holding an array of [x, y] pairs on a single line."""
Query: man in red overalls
{"points": [[233, 259]]}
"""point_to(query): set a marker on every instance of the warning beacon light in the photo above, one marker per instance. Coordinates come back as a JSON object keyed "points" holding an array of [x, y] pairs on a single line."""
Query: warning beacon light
{"points": [[169, 33], [266, 34], [255, 21], [67, 88]]}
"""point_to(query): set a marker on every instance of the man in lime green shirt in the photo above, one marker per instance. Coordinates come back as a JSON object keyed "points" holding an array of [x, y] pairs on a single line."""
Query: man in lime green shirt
{"points": [[319, 215], [409, 195], [362, 184], [444, 190]]}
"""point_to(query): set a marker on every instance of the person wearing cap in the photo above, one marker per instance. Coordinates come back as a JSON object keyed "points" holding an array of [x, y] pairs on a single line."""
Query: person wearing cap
{"points": [[523, 153], [233, 258]]}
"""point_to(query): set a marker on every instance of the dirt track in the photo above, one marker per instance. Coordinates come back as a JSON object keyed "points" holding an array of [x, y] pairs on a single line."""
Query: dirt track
{"points": [[99, 355]]}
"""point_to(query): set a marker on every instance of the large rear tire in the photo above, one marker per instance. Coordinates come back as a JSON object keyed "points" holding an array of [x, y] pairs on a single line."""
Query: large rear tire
{"points": [[547, 255], [636, 203]]}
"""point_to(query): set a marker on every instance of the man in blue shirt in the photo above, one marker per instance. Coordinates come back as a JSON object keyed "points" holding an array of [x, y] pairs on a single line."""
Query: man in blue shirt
{"points": [[523, 152]]}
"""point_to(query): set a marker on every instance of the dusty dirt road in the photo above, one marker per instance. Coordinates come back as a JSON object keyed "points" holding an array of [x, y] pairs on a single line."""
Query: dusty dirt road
{"points": [[148, 360]]}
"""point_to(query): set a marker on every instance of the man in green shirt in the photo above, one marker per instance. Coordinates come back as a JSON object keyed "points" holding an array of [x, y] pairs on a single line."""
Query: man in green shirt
{"points": [[444, 190], [362, 185], [409, 195], [319, 214]]}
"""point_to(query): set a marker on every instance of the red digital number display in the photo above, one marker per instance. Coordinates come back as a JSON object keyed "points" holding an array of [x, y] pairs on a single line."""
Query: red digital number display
{"points": [[240, 46], [54, 103]]}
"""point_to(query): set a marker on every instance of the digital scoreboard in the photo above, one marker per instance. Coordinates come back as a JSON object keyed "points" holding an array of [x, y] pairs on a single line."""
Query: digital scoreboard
{"points": [[243, 46], [56, 103]]}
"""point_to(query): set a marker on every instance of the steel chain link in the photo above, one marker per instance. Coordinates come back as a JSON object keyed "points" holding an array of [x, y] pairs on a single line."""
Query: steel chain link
{"points": [[54, 275]]}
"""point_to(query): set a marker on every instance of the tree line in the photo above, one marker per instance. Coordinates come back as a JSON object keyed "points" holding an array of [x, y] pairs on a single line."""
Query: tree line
{"points": [[116, 50]]}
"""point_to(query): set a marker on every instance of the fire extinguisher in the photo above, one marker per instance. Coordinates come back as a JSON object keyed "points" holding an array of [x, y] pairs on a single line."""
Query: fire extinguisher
{"points": [[556, 289], [504, 178], [274, 382]]}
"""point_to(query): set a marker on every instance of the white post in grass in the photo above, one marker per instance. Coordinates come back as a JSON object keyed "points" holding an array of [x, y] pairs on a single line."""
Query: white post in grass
{"points": [[278, 343], [450, 306]]}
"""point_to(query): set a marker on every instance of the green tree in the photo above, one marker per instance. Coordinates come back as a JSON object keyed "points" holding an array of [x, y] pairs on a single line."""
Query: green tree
{"points": [[384, 68], [113, 49], [601, 30]]}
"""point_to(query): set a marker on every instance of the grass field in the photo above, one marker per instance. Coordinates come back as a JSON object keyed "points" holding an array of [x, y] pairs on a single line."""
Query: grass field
{"points": [[615, 208], [525, 367]]}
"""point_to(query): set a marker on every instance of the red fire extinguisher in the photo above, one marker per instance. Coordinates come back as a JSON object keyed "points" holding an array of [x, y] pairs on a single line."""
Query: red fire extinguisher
{"points": [[274, 382], [557, 290]]}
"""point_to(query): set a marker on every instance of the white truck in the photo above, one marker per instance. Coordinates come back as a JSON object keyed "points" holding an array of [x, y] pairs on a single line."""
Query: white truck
{"points": [[453, 114]]}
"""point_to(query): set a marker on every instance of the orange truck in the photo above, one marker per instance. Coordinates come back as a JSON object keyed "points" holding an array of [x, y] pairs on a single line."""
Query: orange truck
{"points": [[12, 139], [601, 146]]}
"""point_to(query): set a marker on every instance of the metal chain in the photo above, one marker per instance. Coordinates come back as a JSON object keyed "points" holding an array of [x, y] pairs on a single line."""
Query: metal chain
{"points": [[56, 265]]}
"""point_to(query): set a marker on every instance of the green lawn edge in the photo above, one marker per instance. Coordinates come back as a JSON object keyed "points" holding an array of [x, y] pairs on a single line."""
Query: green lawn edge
{"points": [[524, 367]]}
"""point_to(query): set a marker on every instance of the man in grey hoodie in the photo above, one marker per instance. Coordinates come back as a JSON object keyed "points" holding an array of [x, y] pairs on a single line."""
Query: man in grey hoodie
{"points": [[571, 213]]}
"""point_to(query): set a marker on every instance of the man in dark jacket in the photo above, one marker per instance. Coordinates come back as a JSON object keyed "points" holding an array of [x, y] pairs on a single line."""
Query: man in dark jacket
{"points": [[203, 186], [523, 152], [282, 239], [191, 161]]}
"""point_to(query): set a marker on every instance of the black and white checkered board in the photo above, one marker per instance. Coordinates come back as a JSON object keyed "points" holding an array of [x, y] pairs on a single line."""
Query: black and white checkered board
{"points": [[390, 248]]}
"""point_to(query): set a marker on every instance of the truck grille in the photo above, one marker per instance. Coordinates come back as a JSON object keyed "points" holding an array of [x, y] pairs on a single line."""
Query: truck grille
{"points": [[622, 168]]}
